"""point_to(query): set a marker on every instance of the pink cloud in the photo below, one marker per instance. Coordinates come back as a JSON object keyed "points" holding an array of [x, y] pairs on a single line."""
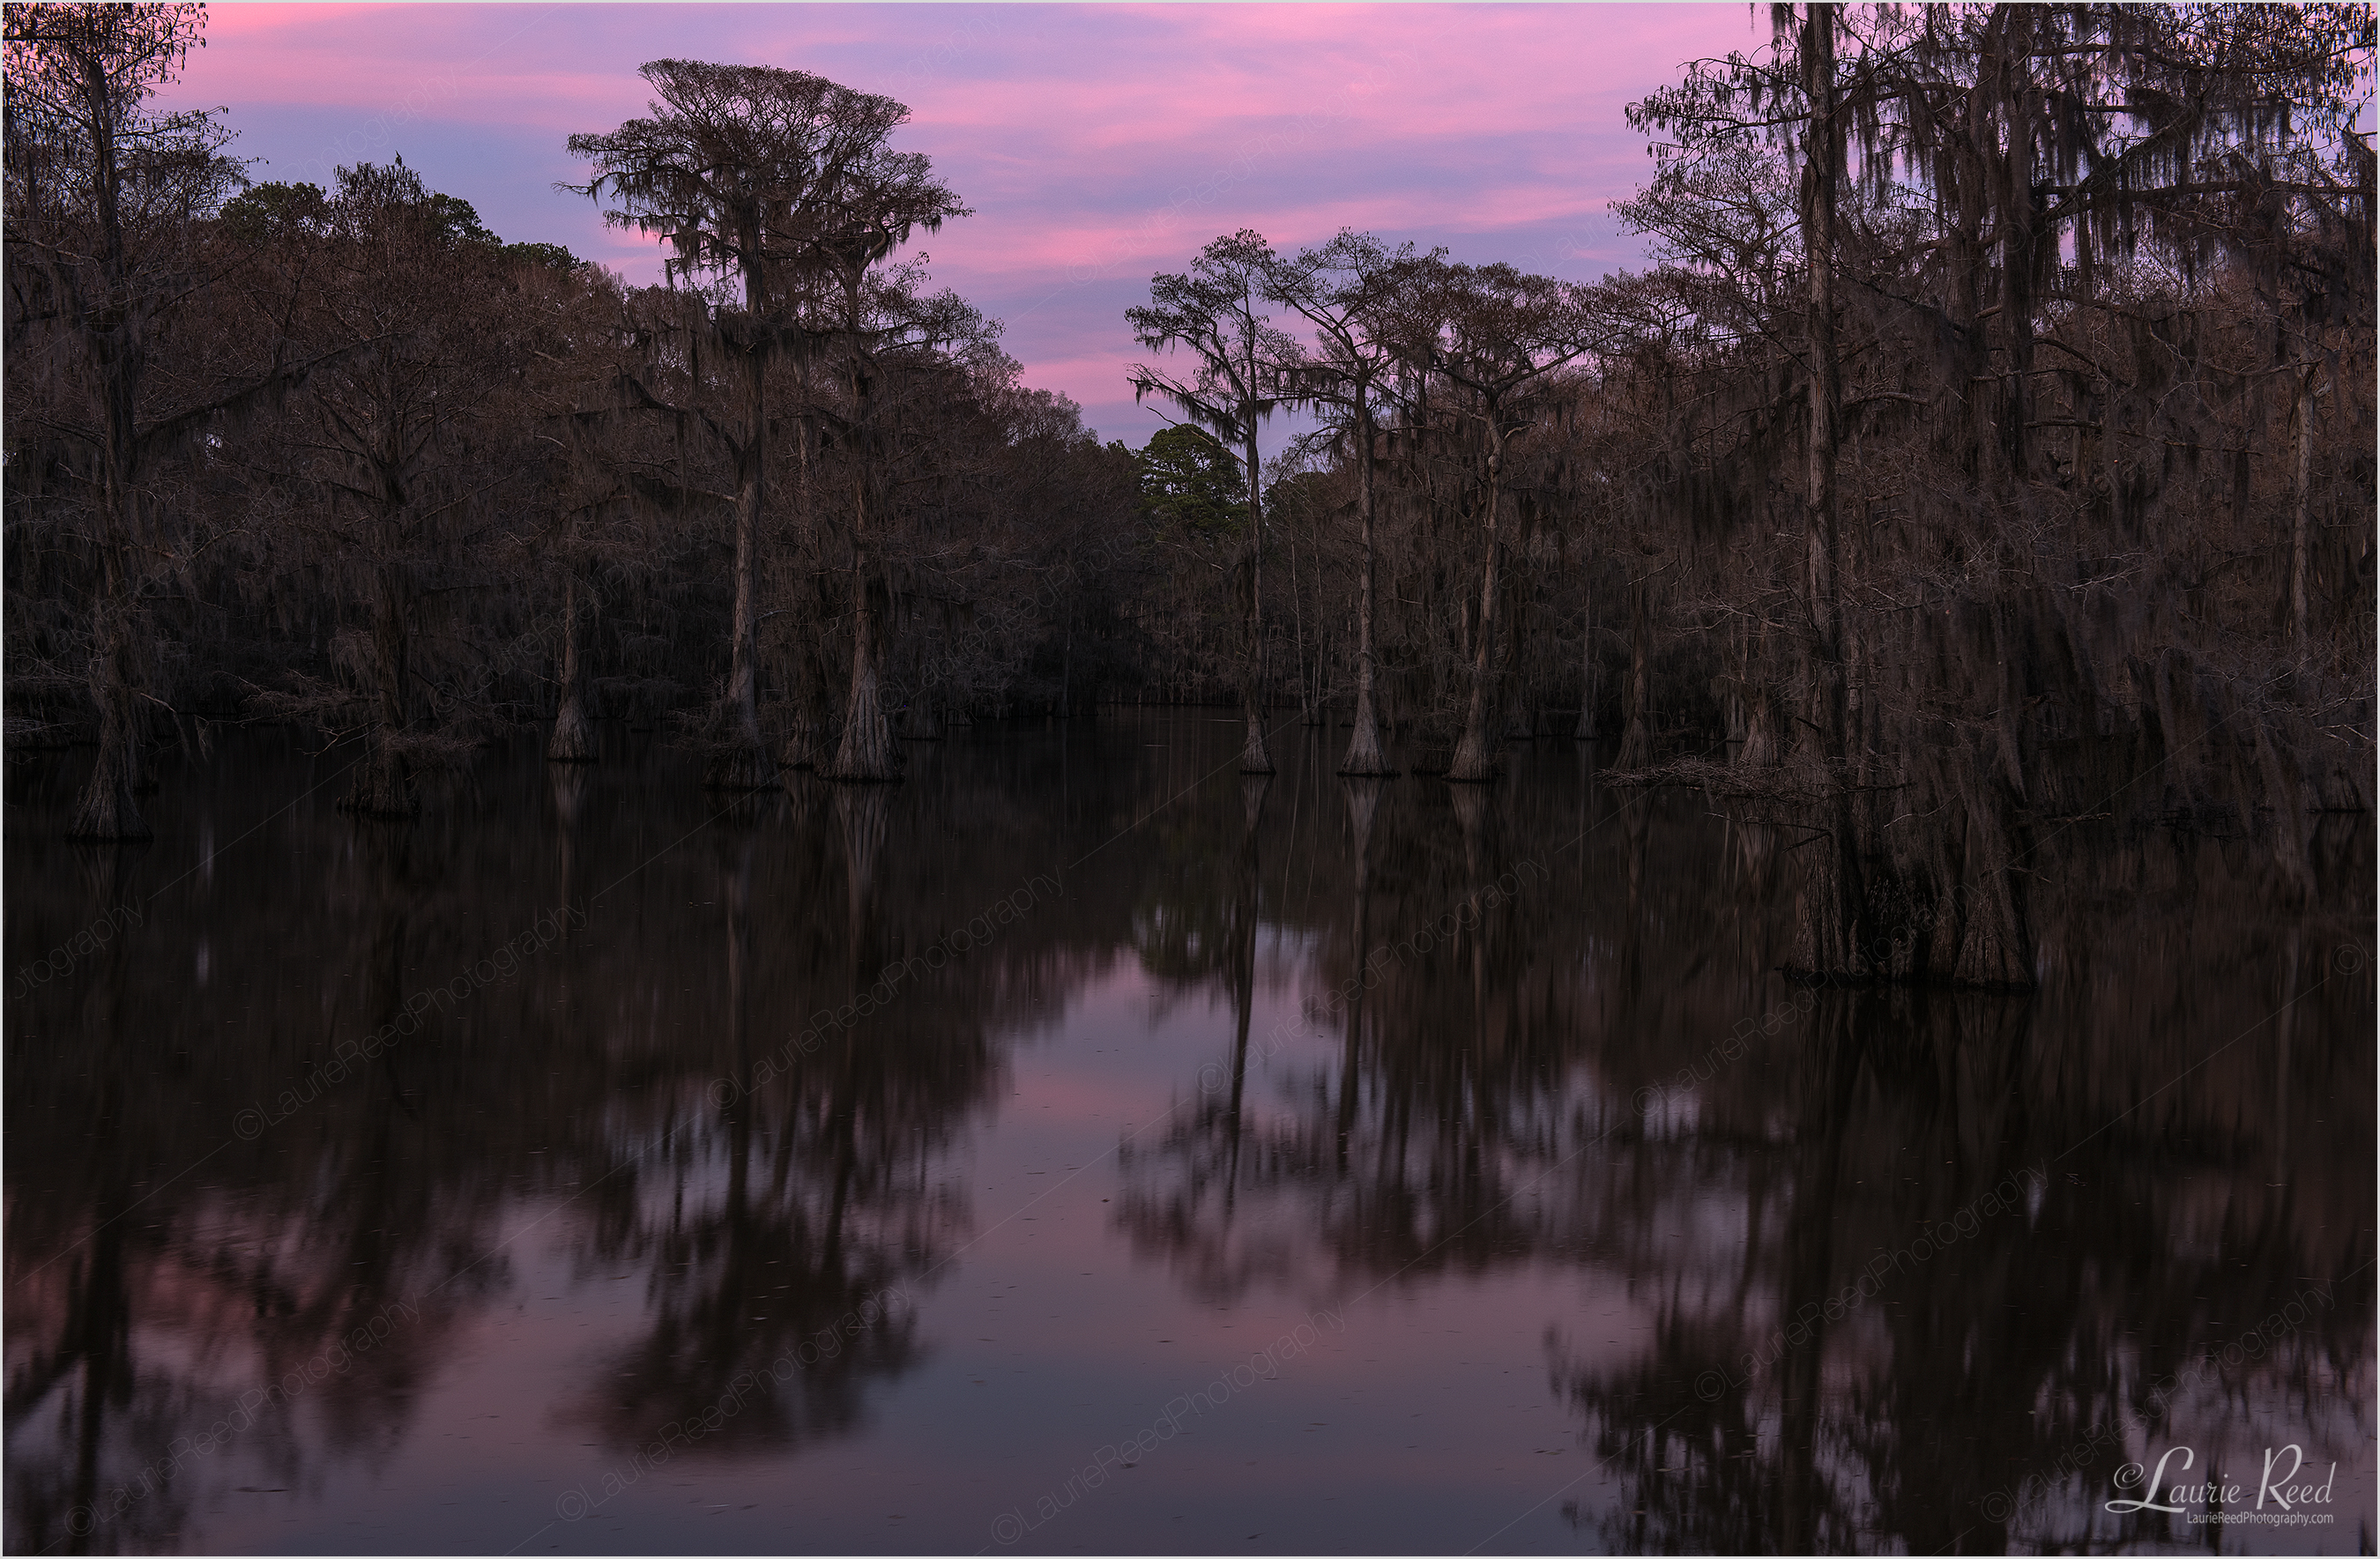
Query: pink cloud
{"points": [[1096, 143]]}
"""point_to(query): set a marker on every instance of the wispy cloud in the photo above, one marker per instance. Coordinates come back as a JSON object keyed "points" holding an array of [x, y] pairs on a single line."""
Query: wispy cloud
{"points": [[1095, 143]]}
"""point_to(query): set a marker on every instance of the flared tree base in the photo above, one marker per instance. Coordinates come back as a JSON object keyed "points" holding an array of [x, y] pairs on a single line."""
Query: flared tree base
{"points": [[1365, 759], [574, 737], [378, 804], [110, 821], [1471, 766], [1256, 758], [109, 807], [744, 768], [867, 757]]}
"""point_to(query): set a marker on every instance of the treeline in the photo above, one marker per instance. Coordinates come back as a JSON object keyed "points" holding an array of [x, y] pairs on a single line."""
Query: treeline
{"points": [[1990, 446], [1990, 449], [343, 457]]}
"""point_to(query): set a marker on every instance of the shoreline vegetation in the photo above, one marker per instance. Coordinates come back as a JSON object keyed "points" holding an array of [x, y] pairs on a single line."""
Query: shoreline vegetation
{"points": [[1987, 445]]}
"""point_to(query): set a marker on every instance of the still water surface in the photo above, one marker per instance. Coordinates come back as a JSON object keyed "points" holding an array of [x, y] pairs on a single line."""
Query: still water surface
{"points": [[1021, 1159]]}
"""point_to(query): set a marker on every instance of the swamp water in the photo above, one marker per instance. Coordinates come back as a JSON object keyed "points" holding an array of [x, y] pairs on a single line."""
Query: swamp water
{"points": [[1078, 1147]]}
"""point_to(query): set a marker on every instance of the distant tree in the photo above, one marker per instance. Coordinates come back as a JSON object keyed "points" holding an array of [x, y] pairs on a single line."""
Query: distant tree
{"points": [[105, 197], [876, 205], [1241, 374], [583, 502], [1991, 209], [1496, 335], [1347, 290], [1189, 480], [553, 257], [756, 177], [271, 214], [910, 424], [387, 474]]}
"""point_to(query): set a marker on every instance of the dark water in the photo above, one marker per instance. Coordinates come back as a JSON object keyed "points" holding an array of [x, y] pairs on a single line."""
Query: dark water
{"points": [[1015, 1160]]}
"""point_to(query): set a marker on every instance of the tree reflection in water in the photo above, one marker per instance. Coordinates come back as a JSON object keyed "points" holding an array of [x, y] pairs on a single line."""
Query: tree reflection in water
{"points": [[1459, 1034], [1861, 1338]]}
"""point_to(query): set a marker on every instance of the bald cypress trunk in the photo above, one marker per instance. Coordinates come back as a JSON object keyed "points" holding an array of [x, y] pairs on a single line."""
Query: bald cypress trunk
{"points": [[2300, 511], [108, 808], [573, 735], [1837, 896], [1588, 682], [1363, 754], [743, 763], [1637, 733], [867, 752], [1474, 752], [810, 725], [1255, 757], [383, 785]]}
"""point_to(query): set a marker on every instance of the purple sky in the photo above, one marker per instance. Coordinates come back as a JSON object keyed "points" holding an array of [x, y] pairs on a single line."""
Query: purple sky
{"points": [[1097, 144]]}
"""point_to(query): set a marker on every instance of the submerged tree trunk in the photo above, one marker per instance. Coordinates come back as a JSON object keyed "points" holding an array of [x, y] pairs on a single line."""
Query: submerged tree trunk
{"points": [[1475, 752], [1255, 757], [1588, 682], [742, 762], [383, 786], [1637, 733], [109, 807], [1837, 896], [1363, 754], [867, 752], [2301, 512], [574, 733], [809, 732]]}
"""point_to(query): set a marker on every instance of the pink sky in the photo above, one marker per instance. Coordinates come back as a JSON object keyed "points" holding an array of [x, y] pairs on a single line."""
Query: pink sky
{"points": [[1097, 144]]}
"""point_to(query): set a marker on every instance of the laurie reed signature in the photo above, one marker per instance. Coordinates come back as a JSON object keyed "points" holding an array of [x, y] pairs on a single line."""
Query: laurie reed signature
{"points": [[2281, 1490]]}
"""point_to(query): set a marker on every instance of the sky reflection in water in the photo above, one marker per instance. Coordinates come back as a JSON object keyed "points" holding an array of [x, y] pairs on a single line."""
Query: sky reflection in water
{"points": [[1016, 1157]]}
